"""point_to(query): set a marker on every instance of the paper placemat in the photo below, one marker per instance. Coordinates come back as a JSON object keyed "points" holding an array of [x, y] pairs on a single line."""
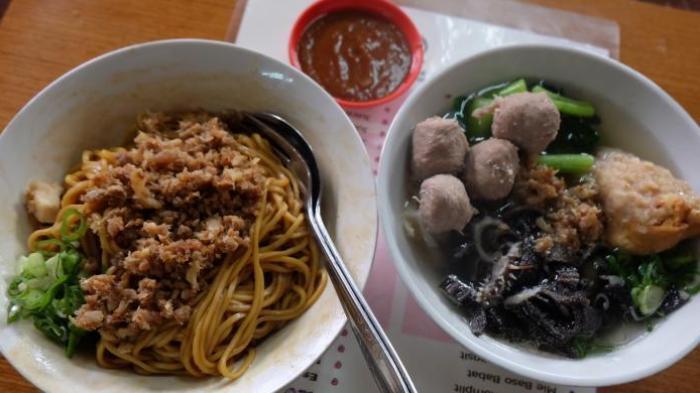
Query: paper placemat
{"points": [[435, 362]]}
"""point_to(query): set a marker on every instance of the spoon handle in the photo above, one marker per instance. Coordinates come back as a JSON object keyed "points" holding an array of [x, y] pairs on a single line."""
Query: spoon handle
{"points": [[387, 369]]}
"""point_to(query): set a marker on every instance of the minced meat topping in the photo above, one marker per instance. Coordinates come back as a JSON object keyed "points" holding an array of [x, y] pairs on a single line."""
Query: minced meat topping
{"points": [[172, 207], [573, 216]]}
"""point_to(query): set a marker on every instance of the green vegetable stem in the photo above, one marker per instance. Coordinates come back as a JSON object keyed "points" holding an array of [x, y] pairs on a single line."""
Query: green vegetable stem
{"points": [[568, 163], [519, 86], [567, 105], [479, 127]]}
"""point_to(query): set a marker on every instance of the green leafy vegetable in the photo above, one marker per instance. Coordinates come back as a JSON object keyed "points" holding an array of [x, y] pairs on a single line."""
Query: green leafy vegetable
{"points": [[650, 277], [575, 135], [584, 346], [681, 265], [568, 163], [693, 290], [47, 289], [577, 132], [567, 105]]}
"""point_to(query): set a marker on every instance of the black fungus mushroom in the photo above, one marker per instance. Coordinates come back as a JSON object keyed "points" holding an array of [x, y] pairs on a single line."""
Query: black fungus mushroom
{"points": [[555, 314]]}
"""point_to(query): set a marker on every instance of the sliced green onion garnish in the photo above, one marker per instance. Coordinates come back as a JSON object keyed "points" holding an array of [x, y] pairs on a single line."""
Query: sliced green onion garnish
{"points": [[74, 335], [68, 233], [14, 312], [648, 299], [34, 265], [33, 299], [47, 289], [49, 246], [53, 266], [70, 261]]}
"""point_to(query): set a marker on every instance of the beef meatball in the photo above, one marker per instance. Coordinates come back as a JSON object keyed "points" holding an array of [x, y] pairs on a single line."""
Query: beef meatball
{"points": [[439, 146], [490, 169], [529, 120], [444, 204]]}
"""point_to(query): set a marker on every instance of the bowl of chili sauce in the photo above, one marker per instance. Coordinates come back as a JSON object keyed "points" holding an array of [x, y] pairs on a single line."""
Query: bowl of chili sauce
{"points": [[363, 52]]}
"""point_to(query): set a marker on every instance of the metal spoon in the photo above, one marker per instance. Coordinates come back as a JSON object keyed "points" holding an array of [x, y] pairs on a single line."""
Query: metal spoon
{"points": [[389, 373]]}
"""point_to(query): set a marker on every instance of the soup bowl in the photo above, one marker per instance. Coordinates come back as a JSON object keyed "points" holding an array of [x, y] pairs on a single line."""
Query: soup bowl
{"points": [[636, 115]]}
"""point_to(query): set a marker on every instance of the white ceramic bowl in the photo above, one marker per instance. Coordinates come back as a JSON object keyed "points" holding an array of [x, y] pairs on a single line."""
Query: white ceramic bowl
{"points": [[95, 104], [636, 115]]}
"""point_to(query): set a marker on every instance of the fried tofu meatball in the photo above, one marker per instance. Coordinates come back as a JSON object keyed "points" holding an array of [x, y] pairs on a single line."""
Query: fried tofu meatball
{"points": [[439, 146], [444, 204], [490, 169], [529, 120], [648, 210]]}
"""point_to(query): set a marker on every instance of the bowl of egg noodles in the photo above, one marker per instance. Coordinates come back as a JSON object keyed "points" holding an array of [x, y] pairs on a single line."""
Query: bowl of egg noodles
{"points": [[152, 240]]}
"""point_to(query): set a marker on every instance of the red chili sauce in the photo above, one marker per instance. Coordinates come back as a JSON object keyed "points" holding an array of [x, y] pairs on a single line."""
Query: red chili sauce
{"points": [[355, 56]]}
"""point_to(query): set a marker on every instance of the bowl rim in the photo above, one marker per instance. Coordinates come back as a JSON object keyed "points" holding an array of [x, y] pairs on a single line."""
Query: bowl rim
{"points": [[382, 8], [361, 281], [410, 279]]}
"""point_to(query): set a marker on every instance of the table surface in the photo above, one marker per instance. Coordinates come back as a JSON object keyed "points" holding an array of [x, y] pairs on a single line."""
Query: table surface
{"points": [[40, 40]]}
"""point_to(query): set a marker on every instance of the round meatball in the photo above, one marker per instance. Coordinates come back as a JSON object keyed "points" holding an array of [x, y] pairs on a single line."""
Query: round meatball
{"points": [[439, 146], [490, 169], [529, 120], [444, 204]]}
